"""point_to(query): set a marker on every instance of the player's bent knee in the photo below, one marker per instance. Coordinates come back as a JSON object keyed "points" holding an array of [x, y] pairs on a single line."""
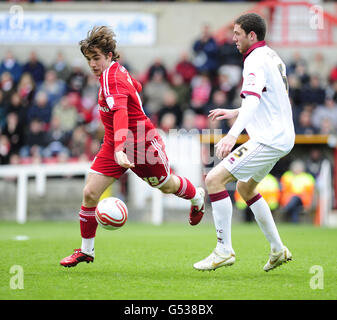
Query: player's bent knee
{"points": [[241, 190], [90, 195], [245, 191], [166, 189], [214, 182], [171, 186], [209, 180]]}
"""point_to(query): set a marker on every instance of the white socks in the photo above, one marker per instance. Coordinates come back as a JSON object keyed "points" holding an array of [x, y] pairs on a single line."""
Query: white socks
{"points": [[264, 219], [88, 246], [198, 199], [222, 216]]}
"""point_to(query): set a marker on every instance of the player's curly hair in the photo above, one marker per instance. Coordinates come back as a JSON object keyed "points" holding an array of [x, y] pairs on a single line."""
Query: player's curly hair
{"points": [[252, 22], [102, 38]]}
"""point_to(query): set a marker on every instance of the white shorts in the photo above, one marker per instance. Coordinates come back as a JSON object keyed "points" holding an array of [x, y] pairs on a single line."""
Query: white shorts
{"points": [[252, 160]]}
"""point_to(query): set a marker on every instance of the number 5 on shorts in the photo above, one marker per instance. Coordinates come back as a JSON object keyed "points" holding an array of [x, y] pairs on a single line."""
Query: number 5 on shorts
{"points": [[239, 152]]}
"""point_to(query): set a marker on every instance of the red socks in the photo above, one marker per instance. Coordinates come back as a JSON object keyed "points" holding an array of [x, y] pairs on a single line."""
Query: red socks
{"points": [[88, 223], [186, 189]]}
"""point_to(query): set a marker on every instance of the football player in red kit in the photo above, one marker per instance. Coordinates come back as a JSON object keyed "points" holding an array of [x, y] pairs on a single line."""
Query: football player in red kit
{"points": [[130, 142]]}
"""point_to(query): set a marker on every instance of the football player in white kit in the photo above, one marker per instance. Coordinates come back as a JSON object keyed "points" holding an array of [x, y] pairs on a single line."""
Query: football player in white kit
{"points": [[266, 115]]}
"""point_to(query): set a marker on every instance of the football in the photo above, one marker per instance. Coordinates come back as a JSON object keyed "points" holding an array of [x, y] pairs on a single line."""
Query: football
{"points": [[111, 213]]}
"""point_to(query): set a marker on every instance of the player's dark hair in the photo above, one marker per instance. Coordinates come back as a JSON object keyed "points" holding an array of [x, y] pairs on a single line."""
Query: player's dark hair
{"points": [[102, 38], [252, 22]]}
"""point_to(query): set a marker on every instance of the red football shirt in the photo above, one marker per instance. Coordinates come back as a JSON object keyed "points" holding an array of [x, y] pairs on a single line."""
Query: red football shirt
{"points": [[120, 91]]}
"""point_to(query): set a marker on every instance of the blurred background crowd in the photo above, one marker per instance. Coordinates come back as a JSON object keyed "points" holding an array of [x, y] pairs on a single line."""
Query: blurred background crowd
{"points": [[48, 112]]}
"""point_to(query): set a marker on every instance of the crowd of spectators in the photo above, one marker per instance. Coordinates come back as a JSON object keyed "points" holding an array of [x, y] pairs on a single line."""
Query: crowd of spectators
{"points": [[48, 113]]}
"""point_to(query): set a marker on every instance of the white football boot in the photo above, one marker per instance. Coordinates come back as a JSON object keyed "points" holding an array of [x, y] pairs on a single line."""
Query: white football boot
{"points": [[215, 260], [278, 258]]}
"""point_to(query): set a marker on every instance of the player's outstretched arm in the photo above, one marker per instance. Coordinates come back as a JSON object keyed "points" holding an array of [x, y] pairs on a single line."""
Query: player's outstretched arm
{"points": [[221, 114], [120, 123], [122, 160], [245, 113], [248, 108]]}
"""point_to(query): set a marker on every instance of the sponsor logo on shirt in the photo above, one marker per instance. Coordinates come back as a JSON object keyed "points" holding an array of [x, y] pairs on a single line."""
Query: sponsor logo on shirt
{"points": [[103, 109]]}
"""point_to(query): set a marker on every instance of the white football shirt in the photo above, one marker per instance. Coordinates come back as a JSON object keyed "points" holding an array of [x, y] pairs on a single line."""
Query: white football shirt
{"points": [[264, 75]]}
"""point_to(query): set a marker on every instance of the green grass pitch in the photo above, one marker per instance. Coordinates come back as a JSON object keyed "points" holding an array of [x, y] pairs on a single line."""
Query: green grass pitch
{"points": [[145, 262]]}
